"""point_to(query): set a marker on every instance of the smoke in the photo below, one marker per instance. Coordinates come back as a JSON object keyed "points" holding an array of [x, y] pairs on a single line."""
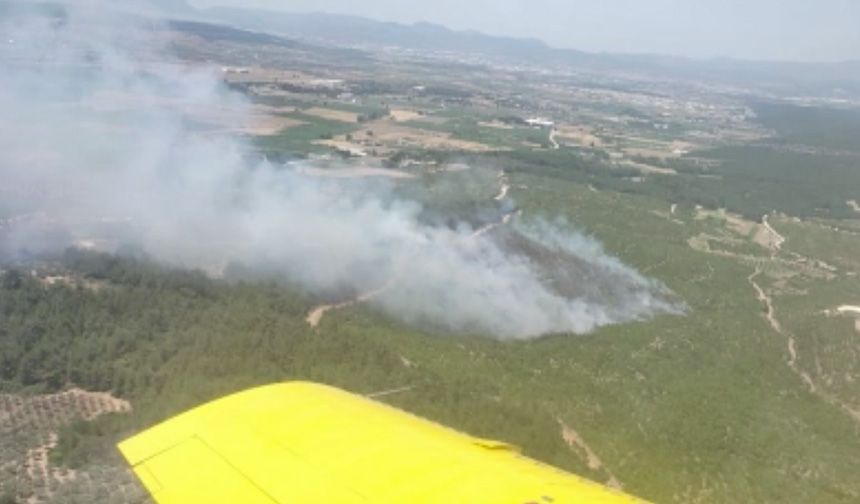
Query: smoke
{"points": [[95, 144]]}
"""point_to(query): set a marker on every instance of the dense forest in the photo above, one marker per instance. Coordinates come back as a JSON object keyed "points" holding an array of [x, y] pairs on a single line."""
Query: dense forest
{"points": [[748, 180], [824, 127], [170, 339]]}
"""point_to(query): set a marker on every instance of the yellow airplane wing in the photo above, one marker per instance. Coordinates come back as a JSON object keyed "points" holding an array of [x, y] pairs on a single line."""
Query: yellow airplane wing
{"points": [[301, 443]]}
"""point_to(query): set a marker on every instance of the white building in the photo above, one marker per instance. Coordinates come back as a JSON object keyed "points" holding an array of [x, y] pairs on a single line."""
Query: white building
{"points": [[539, 122]]}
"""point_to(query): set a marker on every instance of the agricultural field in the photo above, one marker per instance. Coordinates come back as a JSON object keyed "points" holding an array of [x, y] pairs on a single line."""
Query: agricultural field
{"points": [[37, 466]]}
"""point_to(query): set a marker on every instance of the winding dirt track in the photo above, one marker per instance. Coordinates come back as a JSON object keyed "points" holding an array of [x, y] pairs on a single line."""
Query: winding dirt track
{"points": [[504, 186], [791, 343], [775, 246], [764, 298], [779, 239], [552, 133], [315, 316]]}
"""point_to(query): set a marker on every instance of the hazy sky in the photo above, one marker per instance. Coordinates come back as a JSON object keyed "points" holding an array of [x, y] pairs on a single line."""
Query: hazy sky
{"points": [[752, 29]]}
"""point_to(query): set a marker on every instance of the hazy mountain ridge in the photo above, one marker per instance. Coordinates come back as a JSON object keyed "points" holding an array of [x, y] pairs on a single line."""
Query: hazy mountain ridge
{"points": [[358, 31], [788, 79], [829, 79]]}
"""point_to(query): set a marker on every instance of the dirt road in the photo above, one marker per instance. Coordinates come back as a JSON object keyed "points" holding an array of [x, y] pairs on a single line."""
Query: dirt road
{"points": [[778, 238], [504, 186], [315, 316], [793, 354], [506, 219], [764, 298]]}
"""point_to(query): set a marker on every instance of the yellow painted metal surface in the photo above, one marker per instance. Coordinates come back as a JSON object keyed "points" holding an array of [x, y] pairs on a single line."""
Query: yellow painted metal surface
{"points": [[301, 443]]}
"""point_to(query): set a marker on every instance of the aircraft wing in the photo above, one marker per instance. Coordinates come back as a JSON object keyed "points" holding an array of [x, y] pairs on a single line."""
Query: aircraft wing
{"points": [[301, 443]]}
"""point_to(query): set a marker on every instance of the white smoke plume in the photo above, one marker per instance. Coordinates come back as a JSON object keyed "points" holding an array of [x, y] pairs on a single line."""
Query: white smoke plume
{"points": [[94, 131]]}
